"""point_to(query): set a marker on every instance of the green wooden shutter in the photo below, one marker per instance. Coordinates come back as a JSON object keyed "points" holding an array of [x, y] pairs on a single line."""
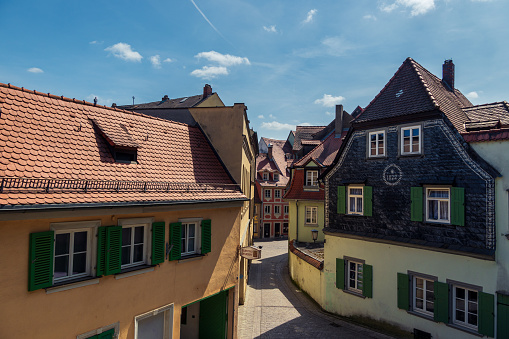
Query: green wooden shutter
{"points": [[40, 272], [113, 249], [158, 242], [213, 316], [206, 236], [458, 206], [417, 203], [367, 281], [105, 335], [175, 240], [340, 273], [341, 199], [502, 316], [441, 313], [486, 314], [403, 291], [101, 251], [368, 200]]}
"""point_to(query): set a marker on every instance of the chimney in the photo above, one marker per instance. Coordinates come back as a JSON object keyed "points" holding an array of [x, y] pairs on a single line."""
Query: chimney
{"points": [[448, 74], [269, 152], [165, 97], [207, 91], [339, 121]]}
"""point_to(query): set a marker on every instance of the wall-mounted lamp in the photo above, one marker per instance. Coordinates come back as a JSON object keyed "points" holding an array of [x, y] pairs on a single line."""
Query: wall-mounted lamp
{"points": [[314, 233]]}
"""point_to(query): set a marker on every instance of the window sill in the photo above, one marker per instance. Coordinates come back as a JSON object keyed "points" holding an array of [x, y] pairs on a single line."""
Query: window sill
{"points": [[70, 284], [377, 157], [129, 272], [421, 315], [191, 257], [311, 225], [466, 330], [311, 188], [357, 294], [415, 155]]}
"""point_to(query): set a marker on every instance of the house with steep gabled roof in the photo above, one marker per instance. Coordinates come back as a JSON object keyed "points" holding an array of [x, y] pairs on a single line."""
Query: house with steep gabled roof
{"points": [[115, 223], [416, 211]]}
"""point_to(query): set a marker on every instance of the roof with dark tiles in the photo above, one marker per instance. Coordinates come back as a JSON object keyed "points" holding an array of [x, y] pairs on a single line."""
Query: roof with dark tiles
{"points": [[53, 141], [305, 133], [489, 112], [324, 153]]}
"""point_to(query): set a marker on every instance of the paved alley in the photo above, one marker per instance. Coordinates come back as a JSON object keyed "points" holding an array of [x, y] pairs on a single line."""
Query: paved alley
{"points": [[275, 308]]}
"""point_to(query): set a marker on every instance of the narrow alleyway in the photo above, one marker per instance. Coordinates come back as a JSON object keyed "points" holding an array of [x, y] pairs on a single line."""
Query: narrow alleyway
{"points": [[275, 308]]}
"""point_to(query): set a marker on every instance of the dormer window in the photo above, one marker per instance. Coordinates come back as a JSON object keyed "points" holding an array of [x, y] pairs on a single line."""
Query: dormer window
{"points": [[276, 176], [312, 178], [121, 144], [265, 176]]}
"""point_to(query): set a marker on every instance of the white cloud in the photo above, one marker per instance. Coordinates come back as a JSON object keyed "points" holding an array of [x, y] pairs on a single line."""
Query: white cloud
{"points": [[272, 117], [209, 72], [124, 51], [271, 29], [328, 113], [329, 101], [472, 95], [310, 16], [261, 116], [417, 6], [277, 126], [156, 61], [167, 60], [223, 59], [95, 42], [35, 70], [369, 17]]}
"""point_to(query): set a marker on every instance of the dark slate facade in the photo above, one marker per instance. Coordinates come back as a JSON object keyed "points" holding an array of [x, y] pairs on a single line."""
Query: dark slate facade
{"points": [[445, 161]]}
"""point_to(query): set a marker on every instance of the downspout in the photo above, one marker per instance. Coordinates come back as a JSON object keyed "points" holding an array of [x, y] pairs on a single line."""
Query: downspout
{"points": [[297, 219]]}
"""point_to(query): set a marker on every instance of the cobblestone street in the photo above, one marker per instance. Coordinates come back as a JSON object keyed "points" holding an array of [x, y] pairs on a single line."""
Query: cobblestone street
{"points": [[275, 308]]}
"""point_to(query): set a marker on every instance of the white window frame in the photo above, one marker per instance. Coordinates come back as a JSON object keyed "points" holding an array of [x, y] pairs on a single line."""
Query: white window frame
{"points": [[286, 209], [358, 199], [276, 176], [168, 320], [267, 193], [147, 243], [197, 235], [312, 178], [277, 209], [277, 194], [377, 137], [425, 294], [311, 215], [465, 323], [448, 200], [265, 176], [69, 227], [266, 209], [358, 275], [402, 140]]}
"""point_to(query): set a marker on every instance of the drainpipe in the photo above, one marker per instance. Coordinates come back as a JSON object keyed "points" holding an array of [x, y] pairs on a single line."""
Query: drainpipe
{"points": [[297, 219]]}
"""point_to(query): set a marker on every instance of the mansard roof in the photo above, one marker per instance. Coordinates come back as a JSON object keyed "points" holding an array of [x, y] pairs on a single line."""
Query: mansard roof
{"points": [[413, 89]]}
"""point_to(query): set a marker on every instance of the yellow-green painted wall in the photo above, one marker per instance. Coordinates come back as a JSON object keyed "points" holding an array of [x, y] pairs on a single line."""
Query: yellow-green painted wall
{"points": [[297, 217], [307, 277]]}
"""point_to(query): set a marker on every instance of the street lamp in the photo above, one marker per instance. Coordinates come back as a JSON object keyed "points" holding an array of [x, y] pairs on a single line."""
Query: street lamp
{"points": [[314, 233]]}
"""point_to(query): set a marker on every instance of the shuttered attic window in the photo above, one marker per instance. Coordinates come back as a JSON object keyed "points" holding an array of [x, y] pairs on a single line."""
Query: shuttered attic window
{"points": [[121, 144]]}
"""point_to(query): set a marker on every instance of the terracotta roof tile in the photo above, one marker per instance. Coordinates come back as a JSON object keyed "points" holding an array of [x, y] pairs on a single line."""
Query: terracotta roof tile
{"points": [[296, 190], [45, 136]]}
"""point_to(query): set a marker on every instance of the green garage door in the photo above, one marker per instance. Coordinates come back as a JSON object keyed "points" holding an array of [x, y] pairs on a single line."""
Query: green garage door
{"points": [[213, 316]]}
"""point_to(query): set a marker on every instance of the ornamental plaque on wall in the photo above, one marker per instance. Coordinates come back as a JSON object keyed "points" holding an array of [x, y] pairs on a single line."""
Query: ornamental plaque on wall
{"points": [[392, 175]]}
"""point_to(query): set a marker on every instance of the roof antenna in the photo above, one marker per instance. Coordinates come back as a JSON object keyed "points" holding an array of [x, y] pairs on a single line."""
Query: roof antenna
{"points": [[133, 100]]}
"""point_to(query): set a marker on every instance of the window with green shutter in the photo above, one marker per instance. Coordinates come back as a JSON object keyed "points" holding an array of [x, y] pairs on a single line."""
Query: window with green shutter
{"points": [[502, 316], [368, 201], [40, 273], [487, 315], [206, 236], [340, 273], [403, 291], [458, 206], [341, 200], [367, 281], [158, 242], [175, 240], [441, 313], [417, 203], [355, 276], [109, 250]]}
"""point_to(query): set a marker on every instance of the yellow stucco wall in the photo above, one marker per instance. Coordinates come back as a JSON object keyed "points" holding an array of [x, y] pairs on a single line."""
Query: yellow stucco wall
{"points": [[211, 101], [307, 277], [66, 314], [297, 215]]}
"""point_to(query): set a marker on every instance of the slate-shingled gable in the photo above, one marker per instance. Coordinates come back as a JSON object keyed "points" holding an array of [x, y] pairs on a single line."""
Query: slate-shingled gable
{"points": [[48, 137]]}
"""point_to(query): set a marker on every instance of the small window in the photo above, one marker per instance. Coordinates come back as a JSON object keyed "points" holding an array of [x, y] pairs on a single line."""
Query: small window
{"points": [[157, 323], [276, 176], [311, 178], [135, 241], [438, 205], [423, 295], [277, 209], [267, 194], [311, 215], [376, 144], [277, 193], [355, 200], [267, 209], [72, 254], [265, 176], [411, 140], [465, 307], [189, 237], [286, 209], [355, 276]]}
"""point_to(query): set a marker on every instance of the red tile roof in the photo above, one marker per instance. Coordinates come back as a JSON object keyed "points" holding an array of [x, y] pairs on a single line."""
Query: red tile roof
{"points": [[277, 163], [324, 153], [307, 258], [297, 192], [62, 144], [490, 135]]}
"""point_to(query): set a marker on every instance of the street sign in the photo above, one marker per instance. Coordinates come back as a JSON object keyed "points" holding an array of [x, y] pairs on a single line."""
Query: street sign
{"points": [[251, 252]]}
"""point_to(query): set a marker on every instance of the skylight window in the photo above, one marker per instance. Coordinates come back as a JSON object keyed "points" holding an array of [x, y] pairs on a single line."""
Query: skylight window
{"points": [[181, 101]]}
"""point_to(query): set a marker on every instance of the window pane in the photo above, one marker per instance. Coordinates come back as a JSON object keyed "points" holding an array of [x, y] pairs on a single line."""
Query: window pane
{"points": [[472, 319], [359, 204], [138, 253], [406, 145], [460, 293], [433, 209], [352, 204], [415, 132], [429, 306], [191, 230], [183, 247], [472, 296], [61, 266], [472, 307], [460, 304], [438, 194], [138, 234], [419, 293], [373, 137], [415, 146], [80, 242], [419, 304], [79, 263], [381, 137], [460, 316], [126, 236], [190, 247], [355, 191], [126, 255], [419, 283], [62, 243], [406, 133], [444, 210]]}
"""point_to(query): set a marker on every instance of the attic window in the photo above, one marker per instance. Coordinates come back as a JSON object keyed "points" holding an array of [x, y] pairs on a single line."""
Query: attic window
{"points": [[126, 156], [400, 93], [120, 143], [181, 101]]}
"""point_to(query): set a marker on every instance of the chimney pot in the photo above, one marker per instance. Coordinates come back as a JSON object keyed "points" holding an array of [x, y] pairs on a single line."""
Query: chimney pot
{"points": [[448, 74], [339, 121], [207, 91], [165, 98]]}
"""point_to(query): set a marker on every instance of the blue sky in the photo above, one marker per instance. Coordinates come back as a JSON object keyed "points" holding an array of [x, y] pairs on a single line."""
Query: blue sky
{"points": [[290, 62]]}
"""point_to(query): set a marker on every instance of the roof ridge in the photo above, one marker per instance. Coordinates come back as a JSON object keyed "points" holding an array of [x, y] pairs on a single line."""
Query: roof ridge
{"points": [[504, 103], [426, 87], [86, 103]]}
